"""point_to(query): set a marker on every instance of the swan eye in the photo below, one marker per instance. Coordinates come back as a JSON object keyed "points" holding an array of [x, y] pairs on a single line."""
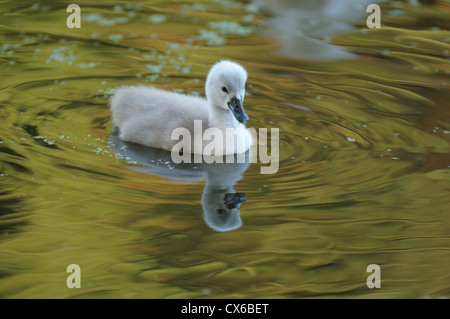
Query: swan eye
{"points": [[224, 89]]}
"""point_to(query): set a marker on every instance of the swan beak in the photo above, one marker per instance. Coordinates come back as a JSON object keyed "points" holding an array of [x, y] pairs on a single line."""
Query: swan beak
{"points": [[237, 108]]}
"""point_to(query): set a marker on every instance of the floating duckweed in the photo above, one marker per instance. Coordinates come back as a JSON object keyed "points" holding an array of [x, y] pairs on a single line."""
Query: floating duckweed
{"points": [[396, 13], [156, 18], [91, 17], [62, 55], [29, 40], [95, 35], [230, 27], [206, 291], [154, 68], [152, 78], [211, 38], [99, 150], [195, 7], [109, 91], [109, 22], [251, 7], [174, 46], [115, 37], [132, 6]]}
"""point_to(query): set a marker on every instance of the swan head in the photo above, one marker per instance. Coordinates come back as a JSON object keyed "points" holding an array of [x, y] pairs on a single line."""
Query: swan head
{"points": [[225, 88]]}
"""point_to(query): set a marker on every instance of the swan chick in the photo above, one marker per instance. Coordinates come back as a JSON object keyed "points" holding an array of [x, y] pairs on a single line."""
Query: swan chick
{"points": [[148, 116]]}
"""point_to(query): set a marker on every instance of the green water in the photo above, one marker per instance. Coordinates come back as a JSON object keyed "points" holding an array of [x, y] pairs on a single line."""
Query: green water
{"points": [[363, 171]]}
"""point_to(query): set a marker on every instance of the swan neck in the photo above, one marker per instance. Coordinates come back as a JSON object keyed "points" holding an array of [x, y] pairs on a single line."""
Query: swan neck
{"points": [[221, 118]]}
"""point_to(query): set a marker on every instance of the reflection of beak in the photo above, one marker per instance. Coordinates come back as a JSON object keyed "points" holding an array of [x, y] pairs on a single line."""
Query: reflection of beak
{"points": [[233, 200], [237, 108]]}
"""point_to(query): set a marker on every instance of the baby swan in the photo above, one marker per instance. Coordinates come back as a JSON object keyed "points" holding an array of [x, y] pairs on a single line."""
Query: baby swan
{"points": [[148, 116]]}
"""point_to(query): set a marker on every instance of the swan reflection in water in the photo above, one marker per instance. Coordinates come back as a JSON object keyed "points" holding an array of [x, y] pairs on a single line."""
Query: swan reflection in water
{"points": [[305, 29], [220, 202]]}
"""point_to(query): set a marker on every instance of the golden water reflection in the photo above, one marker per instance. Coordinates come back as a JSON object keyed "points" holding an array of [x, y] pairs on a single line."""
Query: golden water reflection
{"points": [[364, 157]]}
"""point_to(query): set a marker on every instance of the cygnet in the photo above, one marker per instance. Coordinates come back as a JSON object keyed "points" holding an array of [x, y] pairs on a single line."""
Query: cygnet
{"points": [[148, 116]]}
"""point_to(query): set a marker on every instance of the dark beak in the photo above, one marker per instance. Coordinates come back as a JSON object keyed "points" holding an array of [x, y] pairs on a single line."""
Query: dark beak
{"points": [[237, 108]]}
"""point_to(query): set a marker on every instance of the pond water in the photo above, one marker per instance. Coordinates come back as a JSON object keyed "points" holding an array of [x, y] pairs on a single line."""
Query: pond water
{"points": [[364, 152]]}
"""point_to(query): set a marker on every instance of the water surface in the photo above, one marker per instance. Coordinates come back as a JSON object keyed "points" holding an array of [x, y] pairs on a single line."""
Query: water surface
{"points": [[364, 154]]}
